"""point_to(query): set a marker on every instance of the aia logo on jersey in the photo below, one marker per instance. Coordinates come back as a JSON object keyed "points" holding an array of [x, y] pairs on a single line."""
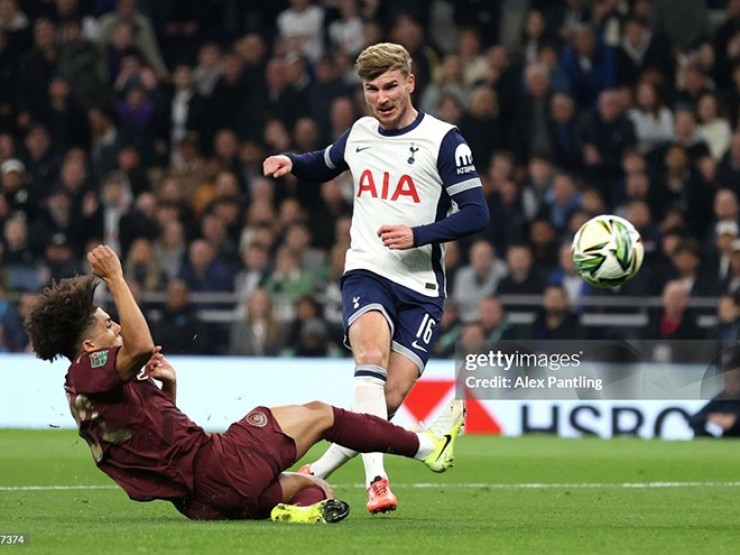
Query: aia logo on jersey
{"points": [[464, 159], [387, 188]]}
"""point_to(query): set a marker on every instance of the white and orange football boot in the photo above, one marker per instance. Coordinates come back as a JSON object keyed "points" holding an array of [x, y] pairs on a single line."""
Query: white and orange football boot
{"points": [[380, 498]]}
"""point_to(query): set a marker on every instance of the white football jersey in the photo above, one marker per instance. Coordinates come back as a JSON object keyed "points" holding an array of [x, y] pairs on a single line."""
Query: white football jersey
{"points": [[408, 177]]}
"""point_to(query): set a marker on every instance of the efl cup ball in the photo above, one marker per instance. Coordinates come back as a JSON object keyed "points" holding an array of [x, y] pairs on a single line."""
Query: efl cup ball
{"points": [[607, 251]]}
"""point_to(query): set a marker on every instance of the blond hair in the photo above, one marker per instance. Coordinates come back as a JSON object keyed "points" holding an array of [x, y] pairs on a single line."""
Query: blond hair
{"points": [[375, 60]]}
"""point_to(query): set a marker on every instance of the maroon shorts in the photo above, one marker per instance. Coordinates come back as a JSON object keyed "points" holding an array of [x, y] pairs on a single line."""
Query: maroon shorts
{"points": [[236, 473]]}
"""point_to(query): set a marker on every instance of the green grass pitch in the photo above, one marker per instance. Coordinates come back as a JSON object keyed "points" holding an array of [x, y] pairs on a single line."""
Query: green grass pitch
{"points": [[505, 495]]}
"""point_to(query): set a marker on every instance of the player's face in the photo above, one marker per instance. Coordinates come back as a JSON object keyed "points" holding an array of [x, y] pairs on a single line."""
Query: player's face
{"points": [[389, 99], [105, 333]]}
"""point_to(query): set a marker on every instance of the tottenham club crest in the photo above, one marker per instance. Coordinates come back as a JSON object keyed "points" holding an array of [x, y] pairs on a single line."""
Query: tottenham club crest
{"points": [[413, 149]]}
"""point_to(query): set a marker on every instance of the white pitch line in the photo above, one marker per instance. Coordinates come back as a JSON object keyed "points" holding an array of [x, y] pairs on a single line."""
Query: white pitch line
{"points": [[479, 485]]}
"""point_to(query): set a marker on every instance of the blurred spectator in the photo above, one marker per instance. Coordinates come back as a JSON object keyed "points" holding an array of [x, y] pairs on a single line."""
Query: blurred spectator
{"points": [[322, 219], [448, 80], [142, 266], [532, 133], [139, 221], [11, 325], [25, 304], [686, 261], [208, 70], [289, 279], [718, 259], [563, 130], [534, 33], [14, 188], [15, 245], [675, 320], [507, 222], [105, 141], [540, 175], [346, 33], [254, 272], [565, 276], [474, 64], [642, 49], [170, 249], [726, 44], [728, 319], [35, 71], [605, 133], [683, 22], [302, 310], [41, 164], [561, 201], [16, 26], [301, 28], [732, 281], [555, 319], [472, 339], [126, 11], [477, 280], [653, 121], [203, 271], [410, 33], [720, 417], [61, 259], [177, 327], [495, 322], [480, 124], [314, 340], [728, 172], [523, 277], [81, 63], [213, 229], [713, 125], [298, 240], [187, 111], [116, 198], [120, 52], [543, 241], [688, 135], [590, 66], [257, 333], [228, 94]]}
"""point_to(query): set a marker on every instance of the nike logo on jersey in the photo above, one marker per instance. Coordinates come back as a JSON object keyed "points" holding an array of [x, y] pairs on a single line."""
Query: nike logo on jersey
{"points": [[360, 149], [416, 345]]}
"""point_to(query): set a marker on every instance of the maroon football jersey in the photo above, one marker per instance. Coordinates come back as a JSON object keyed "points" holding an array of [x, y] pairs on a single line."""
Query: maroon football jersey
{"points": [[137, 435]]}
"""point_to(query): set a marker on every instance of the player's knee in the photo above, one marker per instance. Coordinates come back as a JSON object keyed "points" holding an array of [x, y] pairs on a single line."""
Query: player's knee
{"points": [[322, 411], [372, 355]]}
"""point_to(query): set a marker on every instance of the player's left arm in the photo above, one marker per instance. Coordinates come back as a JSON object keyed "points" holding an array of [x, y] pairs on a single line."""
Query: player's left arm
{"points": [[161, 369], [460, 180]]}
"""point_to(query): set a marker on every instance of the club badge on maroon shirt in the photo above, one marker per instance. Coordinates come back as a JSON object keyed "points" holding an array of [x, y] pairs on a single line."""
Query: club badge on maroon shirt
{"points": [[98, 359], [257, 418]]}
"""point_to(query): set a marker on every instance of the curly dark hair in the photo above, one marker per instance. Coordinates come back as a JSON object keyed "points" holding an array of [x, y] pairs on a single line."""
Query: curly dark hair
{"points": [[60, 317]]}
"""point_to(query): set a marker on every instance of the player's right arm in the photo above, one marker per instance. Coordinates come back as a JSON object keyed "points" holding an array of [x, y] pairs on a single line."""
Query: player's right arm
{"points": [[138, 345], [316, 166]]}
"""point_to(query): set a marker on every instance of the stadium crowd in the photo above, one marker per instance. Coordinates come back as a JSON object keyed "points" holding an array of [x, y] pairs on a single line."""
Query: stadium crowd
{"points": [[144, 125]]}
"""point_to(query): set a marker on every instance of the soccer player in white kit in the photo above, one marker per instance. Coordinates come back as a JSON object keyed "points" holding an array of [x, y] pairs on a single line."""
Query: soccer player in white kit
{"points": [[415, 187]]}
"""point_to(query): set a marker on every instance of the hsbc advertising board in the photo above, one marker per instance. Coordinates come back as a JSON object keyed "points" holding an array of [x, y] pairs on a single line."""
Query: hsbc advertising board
{"points": [[215, 392]]}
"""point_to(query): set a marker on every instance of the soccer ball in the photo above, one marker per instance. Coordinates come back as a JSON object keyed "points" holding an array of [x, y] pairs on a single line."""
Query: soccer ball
{"points": [[607, 251]]}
